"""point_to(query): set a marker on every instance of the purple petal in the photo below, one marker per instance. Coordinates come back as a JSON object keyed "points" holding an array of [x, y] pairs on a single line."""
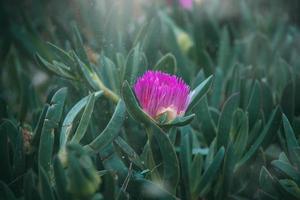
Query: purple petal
{"points": [[187, 4], [158, 92]]}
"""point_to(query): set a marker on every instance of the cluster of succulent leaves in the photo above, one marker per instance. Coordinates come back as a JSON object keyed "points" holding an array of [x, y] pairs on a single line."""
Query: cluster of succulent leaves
{"points": [[89, 139]]}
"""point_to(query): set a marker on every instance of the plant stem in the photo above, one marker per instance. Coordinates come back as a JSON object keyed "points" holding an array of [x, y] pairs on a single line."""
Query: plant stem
{"points": [[106, 91]]}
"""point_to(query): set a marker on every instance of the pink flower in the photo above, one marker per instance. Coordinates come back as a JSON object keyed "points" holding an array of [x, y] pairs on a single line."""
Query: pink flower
{"points": [[159, 93], [187, 4]]}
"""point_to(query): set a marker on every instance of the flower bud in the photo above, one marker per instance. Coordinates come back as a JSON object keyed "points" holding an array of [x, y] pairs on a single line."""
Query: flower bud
{"points": [[82, 178], [162, 94]]}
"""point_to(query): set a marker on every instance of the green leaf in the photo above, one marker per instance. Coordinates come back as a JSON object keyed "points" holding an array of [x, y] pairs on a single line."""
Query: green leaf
{"points": [[225, 120], [209, 174], [262, 195], [197, 164], [267, 100], [179, 121], [267, 182], [132, 105], [19, 162], [85, 118], [111, 131], [203, 117], [289, 135], [167, 64], [6, 168], [64, 56], [241, 140], [89, 75], [199, 92], [169, 158], [234, 84], [79, 46], [288, 101], [136, 64], [38, 129], [185, 160], [29, 184], [45, 186], [296, 156], [224, 53], [55, 68], [110, 74], [70, 117], [133, 156], [206, 62], [230, 160], [270, 128], [51, 122], [150, 40], [254, 105], [144, 189], [287, 169], [6, 193], [60, 179], [10, 129], [217, 92], [291, 187], [255, 131]]}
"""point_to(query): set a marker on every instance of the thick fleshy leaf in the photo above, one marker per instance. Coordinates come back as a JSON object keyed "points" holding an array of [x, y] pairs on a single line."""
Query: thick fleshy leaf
{"points": [[61, 54], [70, 117], [133, 156], [79, 46], [45, 186], [216, 95], [186, 160], [266, 181], [110, 74], [254, 104], [89, 75], [136, 64], [111, 131], [29, 184], [60, 179], [51, 122], [270, 128], [224, 53], [56, 67], [38, 129], [85, 118], [145, 189], [203, 116], [167, 64], [287, 169], [291, 140], [290, 187], [179, 121], [209, 174], [132, 105], [225, 120], [241, 139], [288, 101], [6, 192], [169, 158], [199, 92]]}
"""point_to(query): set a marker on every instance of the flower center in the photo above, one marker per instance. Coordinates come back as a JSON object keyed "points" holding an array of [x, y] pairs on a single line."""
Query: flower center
{"points": [[170, 112]]}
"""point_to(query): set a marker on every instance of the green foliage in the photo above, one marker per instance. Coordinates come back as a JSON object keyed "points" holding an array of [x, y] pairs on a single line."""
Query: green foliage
{"points": [[91, 139]]}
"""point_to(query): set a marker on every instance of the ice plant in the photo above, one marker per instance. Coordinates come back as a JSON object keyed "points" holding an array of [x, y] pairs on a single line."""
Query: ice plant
{"points": [[160, 93]]}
